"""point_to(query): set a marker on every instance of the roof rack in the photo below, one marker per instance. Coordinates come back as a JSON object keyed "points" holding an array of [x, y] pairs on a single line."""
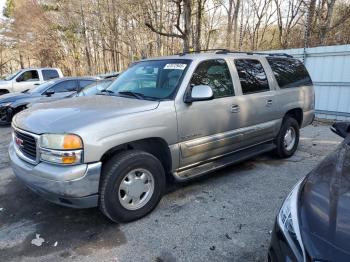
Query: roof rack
{"points": [[204, 50], [253, 53], [226, 51]]}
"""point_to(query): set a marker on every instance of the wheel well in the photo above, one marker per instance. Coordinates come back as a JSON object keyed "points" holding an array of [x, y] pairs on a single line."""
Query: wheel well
{"points": [[4, 91], [19, 109], [155, 146], [297, 114]]}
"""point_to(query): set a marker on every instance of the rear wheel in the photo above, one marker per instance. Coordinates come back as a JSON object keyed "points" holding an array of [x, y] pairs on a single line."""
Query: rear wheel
{"points": [[132, 184], [288, 138]]}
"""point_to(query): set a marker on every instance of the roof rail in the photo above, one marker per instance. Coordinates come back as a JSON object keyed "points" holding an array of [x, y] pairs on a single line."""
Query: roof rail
{"points": [[226, 51], [204, 50], [253, 53]]}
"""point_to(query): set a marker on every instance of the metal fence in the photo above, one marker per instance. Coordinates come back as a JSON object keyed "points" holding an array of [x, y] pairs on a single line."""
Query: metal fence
{"points": [[329, 67]]}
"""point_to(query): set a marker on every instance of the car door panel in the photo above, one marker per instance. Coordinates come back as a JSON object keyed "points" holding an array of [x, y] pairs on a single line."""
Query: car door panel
{"points": [[256, 102], [204, 127]]}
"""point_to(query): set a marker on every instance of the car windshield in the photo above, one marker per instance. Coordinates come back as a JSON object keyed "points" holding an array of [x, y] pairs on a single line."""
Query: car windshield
{"points": [[41, 88], [156, 79], [95, 88], [12, 76]]}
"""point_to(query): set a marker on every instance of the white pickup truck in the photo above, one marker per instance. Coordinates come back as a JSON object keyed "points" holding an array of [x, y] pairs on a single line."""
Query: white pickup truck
{"points": [[27, 78]]}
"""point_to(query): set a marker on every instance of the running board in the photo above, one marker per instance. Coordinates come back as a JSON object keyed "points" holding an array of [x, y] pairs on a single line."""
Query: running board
{"points": [[223, 161]]}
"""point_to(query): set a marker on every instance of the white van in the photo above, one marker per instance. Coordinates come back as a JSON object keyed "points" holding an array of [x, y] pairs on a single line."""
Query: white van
{"points": [[27, 78]]}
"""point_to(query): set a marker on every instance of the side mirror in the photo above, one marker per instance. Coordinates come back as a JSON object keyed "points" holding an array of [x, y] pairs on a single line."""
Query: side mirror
{"points": [[200, 93], [341, 129], [49, 92]]}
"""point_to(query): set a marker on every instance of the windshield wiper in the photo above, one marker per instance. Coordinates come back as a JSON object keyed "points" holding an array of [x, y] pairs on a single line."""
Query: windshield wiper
{"points": [[102, 92], [134, 94]]}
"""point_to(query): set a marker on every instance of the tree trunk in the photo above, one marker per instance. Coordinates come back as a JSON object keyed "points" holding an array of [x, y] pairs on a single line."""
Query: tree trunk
{"points": [[235, 23], [187, 24], [198, 26]]}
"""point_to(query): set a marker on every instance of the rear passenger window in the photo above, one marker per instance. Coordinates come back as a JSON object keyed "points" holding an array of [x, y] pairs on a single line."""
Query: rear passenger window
{"points": [[66, 86], [289, 72], [84, 83], [252, 76], [216, 74], [50, 74]]}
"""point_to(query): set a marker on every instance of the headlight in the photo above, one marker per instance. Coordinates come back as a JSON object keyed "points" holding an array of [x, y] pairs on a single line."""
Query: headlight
{"points": [[61, 149], [288, 222]]}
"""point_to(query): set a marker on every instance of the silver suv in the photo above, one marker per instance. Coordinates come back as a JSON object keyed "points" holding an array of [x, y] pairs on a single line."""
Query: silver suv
{"points": [[176, 117]]}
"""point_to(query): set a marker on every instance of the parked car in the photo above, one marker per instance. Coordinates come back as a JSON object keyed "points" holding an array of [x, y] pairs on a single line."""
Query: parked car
{"points": [[172, 117], [96, 87], [313, 222], [11, 104], [28, 78]]}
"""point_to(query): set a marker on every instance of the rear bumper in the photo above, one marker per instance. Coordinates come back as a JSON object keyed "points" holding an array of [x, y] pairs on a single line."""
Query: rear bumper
{"points": [[74, 186], [308, 118]]}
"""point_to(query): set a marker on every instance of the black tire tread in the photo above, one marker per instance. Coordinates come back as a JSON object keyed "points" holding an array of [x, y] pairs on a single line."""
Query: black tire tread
{"points": [[108, 171], [287, 121]]}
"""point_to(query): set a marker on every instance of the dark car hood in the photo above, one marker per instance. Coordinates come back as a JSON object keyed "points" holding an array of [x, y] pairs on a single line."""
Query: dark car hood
{"points": [[13, 97], [325, 207], [74, 113]]}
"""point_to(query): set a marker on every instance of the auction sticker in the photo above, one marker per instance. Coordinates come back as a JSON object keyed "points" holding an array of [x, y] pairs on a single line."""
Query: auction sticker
{"points": [[175, 66]]}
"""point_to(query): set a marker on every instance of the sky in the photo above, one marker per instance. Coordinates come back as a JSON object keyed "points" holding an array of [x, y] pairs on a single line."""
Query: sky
{"points": [[2, 4]]}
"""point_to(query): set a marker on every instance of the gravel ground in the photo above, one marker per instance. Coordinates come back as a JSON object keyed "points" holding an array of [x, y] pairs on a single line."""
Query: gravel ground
{"points": [[225, 216]]}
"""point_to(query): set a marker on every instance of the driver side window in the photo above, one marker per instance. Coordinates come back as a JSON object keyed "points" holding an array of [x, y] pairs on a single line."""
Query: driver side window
{"points": [[216, 74], [31, 75]]}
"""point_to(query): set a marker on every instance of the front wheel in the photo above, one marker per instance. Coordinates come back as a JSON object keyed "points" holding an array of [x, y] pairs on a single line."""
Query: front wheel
{"points": [[132, 184], [288, 138]]}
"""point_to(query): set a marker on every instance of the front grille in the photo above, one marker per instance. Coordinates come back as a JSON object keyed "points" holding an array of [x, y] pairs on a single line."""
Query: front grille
{"points": [[26, 144]]}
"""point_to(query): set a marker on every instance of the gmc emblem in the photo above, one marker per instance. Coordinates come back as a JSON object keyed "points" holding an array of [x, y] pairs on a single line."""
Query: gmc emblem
{"points": [[19, 142]]}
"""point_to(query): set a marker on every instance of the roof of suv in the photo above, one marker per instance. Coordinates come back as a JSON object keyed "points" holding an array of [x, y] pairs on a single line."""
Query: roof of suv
{"points": [[220, 53]]}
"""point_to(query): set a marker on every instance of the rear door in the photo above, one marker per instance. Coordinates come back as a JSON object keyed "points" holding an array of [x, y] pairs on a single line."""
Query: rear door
{"points": [[256, 101]]}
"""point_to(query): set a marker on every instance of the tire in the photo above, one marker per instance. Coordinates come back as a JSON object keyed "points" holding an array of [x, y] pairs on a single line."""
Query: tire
{"points": [[138, 169], [283, 148]]}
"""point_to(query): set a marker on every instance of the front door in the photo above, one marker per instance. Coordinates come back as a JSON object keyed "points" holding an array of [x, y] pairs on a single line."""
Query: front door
{"points": [[26, 80], [207, 129]]}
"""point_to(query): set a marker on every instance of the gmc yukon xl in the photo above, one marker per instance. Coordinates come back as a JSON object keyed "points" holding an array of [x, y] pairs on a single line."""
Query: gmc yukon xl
{"points": [[178, 117]]}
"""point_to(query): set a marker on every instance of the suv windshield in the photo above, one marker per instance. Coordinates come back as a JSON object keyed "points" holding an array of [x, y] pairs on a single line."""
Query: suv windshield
{"points": [[156, 79]]}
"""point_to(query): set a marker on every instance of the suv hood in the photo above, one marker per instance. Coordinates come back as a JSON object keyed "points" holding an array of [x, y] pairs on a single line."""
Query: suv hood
{"points": [[324, 209], [73, 113]]}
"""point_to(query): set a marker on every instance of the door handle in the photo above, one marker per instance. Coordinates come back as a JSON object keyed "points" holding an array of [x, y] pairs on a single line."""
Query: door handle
{"points": [[235, 109], [269, 102]]}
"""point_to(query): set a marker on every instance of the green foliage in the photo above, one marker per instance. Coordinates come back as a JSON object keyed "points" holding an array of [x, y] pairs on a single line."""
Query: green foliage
{"points": [[9, 8]]}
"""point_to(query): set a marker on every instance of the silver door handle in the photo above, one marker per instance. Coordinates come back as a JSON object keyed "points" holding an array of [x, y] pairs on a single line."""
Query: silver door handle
{"points": [[269, 103], [235, 109]]}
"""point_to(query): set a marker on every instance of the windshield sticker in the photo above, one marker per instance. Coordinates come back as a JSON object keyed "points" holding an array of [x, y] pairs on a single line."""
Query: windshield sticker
{"points": [[175, 66]]}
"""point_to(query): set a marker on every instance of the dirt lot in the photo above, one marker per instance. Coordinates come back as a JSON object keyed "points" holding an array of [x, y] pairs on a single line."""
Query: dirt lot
{"points": [[226, 216]]}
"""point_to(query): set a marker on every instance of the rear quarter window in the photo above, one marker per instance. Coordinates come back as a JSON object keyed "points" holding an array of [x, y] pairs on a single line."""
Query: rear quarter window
{"points": [[49, 74], [289, 72]]}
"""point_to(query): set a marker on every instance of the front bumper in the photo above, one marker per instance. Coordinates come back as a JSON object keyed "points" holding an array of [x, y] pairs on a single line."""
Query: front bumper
{"points": [[280, 250], [74, 186]]}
